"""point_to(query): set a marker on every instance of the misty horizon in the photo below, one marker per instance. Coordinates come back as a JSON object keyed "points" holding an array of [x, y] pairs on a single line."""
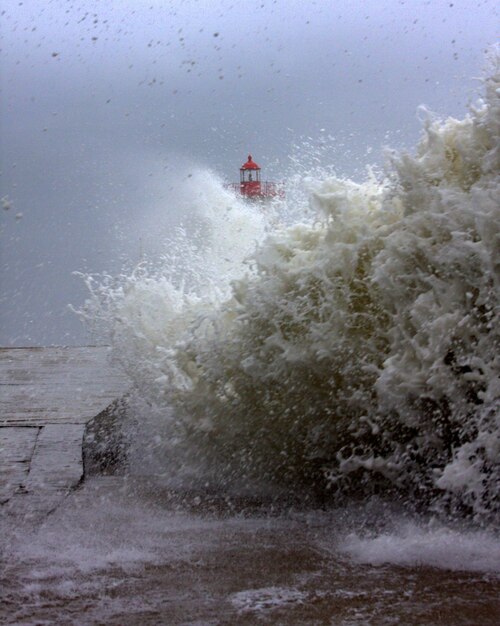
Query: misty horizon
{"points": [[108, 111]]}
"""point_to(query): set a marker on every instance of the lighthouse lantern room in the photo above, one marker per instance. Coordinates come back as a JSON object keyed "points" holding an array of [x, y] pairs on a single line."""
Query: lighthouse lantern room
{"points": [[251, 187]]}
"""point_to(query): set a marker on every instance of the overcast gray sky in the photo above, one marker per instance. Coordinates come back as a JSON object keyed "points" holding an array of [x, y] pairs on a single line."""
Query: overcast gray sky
{"points": [[108, 106]]}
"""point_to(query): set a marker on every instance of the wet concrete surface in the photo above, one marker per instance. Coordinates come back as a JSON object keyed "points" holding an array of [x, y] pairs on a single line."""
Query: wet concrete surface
{"points": [[49, 397], [122, 552]]}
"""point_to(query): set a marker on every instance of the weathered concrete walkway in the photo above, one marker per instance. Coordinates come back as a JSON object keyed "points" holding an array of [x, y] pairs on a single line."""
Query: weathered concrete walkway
{"points": [[47, 397]]}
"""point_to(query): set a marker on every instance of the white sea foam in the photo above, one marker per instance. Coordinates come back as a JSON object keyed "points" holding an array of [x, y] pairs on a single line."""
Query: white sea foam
{"points": [[355, 350], [433, 545]]}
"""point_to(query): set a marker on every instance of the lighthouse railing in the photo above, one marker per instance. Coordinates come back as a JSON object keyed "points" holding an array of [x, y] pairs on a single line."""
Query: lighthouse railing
{"points": [[268, 189]]}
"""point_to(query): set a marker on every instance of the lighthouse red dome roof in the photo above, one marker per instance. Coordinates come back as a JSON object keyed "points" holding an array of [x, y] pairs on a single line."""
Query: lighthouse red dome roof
{"points": [[250, 165]]}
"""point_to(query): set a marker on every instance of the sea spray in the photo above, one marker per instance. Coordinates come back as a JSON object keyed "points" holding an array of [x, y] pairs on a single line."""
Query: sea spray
{"points": [[354, 352]]}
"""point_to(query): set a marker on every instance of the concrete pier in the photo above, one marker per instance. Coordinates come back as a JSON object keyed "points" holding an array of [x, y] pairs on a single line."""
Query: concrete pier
{"points": [[48, 396]]}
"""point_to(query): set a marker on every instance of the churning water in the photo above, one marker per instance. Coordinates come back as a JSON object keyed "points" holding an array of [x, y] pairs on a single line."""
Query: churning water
{"points": [[316, 391]]}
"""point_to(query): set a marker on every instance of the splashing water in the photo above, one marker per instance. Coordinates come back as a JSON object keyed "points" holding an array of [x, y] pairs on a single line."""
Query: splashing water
{"points": [[354, 352]]}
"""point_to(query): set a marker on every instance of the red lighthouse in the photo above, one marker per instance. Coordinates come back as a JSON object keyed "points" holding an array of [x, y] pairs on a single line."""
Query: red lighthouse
{"points": [[251, 186]]}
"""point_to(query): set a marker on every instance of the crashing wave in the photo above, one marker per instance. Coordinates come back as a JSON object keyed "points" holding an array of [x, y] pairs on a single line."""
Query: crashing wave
{"points": [[356, 353]]}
